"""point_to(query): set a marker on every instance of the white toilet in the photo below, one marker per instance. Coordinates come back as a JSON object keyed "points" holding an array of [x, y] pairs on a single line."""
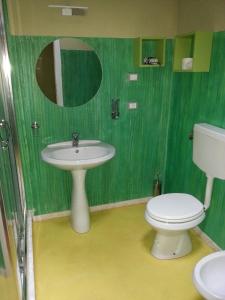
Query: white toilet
{"points": [[209, 276], [171, 215]]}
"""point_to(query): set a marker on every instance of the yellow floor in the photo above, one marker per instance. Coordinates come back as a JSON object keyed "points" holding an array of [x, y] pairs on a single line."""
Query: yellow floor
{"points": [[8, 283], [111, 262]]}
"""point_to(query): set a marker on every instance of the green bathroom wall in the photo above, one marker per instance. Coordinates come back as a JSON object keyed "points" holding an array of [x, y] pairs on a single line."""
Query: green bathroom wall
{"points": [[6, 183], [197, 98], [83, 70], [151, 139], [139, 136]]}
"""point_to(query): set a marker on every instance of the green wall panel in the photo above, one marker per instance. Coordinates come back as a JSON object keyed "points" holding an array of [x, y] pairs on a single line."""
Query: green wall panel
{"points": [[139, 136], [6, 180], [198, 98], [83, 70]]}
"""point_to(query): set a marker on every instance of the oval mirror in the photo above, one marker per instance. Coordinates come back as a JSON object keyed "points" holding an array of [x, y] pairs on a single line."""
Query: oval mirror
{"points": [[68, 72]]}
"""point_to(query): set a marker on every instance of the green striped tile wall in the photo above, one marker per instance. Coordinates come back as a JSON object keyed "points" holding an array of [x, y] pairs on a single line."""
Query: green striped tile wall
{"points": [[7, 190], [77, 65], [139, 136], [198, 97]]}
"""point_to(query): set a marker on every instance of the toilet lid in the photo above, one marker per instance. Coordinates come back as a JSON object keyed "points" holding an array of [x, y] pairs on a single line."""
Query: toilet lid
{"points": [[174, 207]]}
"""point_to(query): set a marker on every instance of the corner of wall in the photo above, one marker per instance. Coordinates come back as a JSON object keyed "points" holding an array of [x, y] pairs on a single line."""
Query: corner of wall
{"points": [[200, 15]]}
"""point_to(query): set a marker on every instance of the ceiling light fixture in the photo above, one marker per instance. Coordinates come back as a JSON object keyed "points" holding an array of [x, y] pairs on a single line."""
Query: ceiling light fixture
{"points": [[69, 10]]}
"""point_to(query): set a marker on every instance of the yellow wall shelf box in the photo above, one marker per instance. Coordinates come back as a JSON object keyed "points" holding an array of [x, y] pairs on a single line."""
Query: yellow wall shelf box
{"points": [[198, 46], [145, 47]]}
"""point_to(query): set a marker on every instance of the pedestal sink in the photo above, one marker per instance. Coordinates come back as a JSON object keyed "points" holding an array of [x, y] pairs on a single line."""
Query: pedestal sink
{"points": [[89, 154]]}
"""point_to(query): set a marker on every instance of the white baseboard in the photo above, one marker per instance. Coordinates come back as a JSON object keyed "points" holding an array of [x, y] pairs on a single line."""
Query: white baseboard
{"points": [[30, 260], [49, 216], [92, 209], [206, 239], [119, 204]]}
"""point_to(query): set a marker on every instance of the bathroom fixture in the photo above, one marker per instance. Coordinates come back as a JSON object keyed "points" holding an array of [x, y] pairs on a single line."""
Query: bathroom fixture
{"points": [[69, 10], [115, 108], [157, 187], [190, 136], [89, 154], [209, 274], [35, 125], [171, 215], [75, 139], [35, 128], [4, 134]]}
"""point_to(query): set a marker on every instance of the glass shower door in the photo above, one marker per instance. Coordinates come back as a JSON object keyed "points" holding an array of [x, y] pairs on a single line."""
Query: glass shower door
{"points": [[12, 204]]}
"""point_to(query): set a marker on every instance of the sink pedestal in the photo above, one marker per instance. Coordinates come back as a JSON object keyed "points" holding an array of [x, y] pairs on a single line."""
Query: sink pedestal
{"points": [[80, 217]]}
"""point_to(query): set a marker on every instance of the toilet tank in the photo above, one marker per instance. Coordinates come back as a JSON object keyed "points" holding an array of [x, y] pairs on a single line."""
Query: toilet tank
{"points": [[209, 149]]}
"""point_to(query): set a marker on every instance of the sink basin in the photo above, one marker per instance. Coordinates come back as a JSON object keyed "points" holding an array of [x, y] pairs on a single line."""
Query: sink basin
{"points": [[89, 154], [209, 274]]}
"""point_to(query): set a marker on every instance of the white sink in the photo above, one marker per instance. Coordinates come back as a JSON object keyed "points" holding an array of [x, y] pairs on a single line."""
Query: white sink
{"points": [[89, 154]]}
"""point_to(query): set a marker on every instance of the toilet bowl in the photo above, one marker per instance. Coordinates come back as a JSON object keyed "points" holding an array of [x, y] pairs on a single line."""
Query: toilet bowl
{"points": [[171, 215], [209, 276]]}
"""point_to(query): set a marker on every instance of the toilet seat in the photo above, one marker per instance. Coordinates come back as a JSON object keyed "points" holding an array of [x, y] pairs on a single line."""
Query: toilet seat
{"points": [[174, 208]]}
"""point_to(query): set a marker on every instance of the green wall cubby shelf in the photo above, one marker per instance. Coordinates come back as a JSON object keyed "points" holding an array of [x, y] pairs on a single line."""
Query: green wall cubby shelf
{"points": [[197, 45], [149, 47]]}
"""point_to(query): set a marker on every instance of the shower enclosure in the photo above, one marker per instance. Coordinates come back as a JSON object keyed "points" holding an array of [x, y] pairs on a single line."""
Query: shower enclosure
{"points": [[12, 200]]}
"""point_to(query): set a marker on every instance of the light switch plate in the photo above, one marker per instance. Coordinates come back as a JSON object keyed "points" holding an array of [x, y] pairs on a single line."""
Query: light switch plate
{"points": [[132, 76], [132, 105]]}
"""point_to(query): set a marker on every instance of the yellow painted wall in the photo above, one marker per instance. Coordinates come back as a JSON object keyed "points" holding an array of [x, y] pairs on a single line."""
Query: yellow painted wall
{"points": [[105, 18], [116, 18], [205, 15]]}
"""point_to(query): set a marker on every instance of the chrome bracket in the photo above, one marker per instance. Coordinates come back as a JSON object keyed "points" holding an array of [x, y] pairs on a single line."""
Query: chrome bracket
{"points": [[4, 134]]}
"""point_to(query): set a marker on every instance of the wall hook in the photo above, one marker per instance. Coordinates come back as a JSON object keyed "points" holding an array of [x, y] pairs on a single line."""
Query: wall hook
{"points": [[35, 125]]}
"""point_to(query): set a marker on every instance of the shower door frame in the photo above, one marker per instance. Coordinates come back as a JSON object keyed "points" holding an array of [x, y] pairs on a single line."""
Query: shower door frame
{"points": [[15, 162]]}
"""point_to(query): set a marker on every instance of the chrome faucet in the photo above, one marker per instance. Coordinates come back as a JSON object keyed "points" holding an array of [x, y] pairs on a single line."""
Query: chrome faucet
{"points": [[75, 139]]}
